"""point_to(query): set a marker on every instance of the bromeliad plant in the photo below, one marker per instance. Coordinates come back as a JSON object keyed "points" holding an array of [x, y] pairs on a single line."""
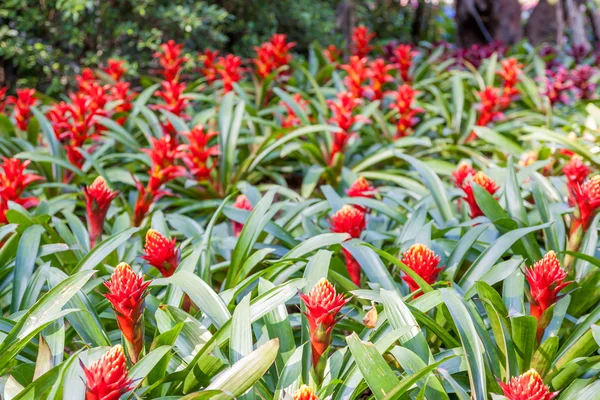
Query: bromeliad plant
{"points": [[401, 223]]}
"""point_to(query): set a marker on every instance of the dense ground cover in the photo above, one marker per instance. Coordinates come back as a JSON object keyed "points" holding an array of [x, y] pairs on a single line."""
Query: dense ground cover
{"points": [[406, 223]]}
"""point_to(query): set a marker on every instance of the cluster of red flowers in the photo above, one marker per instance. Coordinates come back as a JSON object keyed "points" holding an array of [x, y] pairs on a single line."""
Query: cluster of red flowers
{"points": [[494, 101], [546, 280], [361, 39], [342, 109], [424, 262], [477, 53], [528, 386], [98, 197], [407, 114], [359, 71], [583, 84], [272, 55], [357, 74], [171, 60], [402, 56], [291, 119], [107, 378], [464, 178], [558, 85], [22, 103], [228, 69], [332, 53], [198, 155], [379, 74], [13, 183]]}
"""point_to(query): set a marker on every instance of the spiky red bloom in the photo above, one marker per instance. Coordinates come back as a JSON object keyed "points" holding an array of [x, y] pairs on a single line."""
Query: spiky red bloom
{"points": [[305, 393], [490, 108], [107, 378], [463, 171], [357, 75], [378, 74], [586, 197], [350, 220], [575, 170], [229, 69], [407, 114], [85, 79], [510, 72], [322, 306], [424, 262], [126, 293], [545, 279], [272, 55], [361, 38], [403, 55], [98, 197], [23, 102], [209, 65], [123, 98], [163, 154], [342, 110], [161, 252], [13, 182], [332, 53], [242, 203], [582, 81], [3, 99], [528, 386], [485, 182], [115, 69], [291, 119], [197, 152], [171, 60], [175, 101], [558, 85], [361, 187]]}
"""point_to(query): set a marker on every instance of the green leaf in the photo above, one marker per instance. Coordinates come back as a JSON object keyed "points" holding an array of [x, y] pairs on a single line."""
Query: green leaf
{"points": [[103, 249], [26, 255], [240, 342]]}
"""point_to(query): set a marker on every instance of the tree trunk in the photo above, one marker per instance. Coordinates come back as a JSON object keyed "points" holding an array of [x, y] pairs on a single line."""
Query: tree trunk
{"points": [[576, 24], [543, 23], [345, 21], [482, 21]]}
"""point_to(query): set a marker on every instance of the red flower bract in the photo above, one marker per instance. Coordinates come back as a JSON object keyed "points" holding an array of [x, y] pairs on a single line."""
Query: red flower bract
{"points": [[305, 393], [490, 108], [378, 74], [545, 279], [230, 70], [322, 306], [115, 69], [197, 153], [462, 172], [357, 75], [332, 53], [406, 119], [107, 378], [403, 56], [161, 252], [126, 293], [13, 182], [586, 197], [361, 37], [348, 220], [485, 182], [424, 262], [528, 386], [291, 119], [171, 60], [209, 67], [272, 55], [98, 197], [23, 102], [575, 170], [242, 203], [361, 187], [342, 110]]}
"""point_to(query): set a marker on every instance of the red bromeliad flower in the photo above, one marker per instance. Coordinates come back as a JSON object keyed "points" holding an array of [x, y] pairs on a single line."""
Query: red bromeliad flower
{"points": [[485, 182], [86, 79], [305, 393], [322, 306], [3, 100], [350, 220], [546, 280], [161, 252], [175, 101], [424, 262], [123, 98], [272, 55], [197, 153], [528, 386], [558, 85], [586, 197], [490, 108], [171, 60], [291, 119], [242, 203], [379, 75], [575, 170], [126, 293], [582, 81], [209, 65], [115, 69], [98, 197], [357, 75], [463, 171], [342, 110], [229, 68], [23, 102], [511, 70], [13, 182], [107, 378], [403, 56], [332, 53], [406, 119], [361, 37], [361, 187]]}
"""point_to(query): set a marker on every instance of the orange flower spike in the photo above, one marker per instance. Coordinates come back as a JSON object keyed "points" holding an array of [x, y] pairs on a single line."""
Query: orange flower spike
{"points": [[98, 197], [305, 393], [424, 262], [485, 182], [242, 203], [546, 280], [322, 306], [161, 252], [126, 293], [358, 73], [528, 386], [107, 378]]}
